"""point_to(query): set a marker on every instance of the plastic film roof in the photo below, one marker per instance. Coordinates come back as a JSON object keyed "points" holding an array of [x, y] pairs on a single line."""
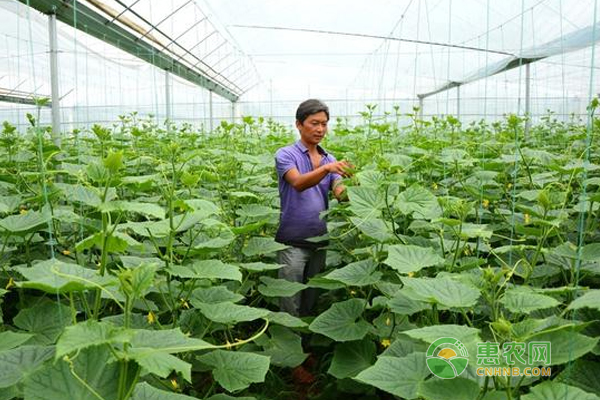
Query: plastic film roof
{"points": [[306, 46]]}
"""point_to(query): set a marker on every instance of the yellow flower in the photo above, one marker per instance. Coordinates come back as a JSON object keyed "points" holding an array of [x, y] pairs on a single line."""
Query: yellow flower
{"points": [[386, 343], [66, 252], [411, 274], [174, 383], [10, 283], [151, 317], [527, 218], [184, 304], [485, 203], [352, 292], [509, 185], [434, 186], [388, 321], [23, 211]]}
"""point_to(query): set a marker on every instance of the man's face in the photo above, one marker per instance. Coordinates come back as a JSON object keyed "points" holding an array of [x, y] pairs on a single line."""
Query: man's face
{"points": [[314, 128]]}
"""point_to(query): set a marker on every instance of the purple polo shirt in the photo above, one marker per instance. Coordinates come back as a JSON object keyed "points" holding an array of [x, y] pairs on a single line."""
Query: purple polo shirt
{"points": [[299, 218]]}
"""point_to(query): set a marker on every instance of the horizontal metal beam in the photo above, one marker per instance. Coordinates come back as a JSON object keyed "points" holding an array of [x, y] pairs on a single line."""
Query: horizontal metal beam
{"points": [[102, 28], [7, 98]]}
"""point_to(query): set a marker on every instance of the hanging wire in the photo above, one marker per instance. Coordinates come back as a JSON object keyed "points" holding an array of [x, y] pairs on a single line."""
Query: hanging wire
{"points": [[448, 62], [562, 69], [583, 196], [76, 112], [417, 48], [39, 135], [431, 50], [517, 143], [481, 144]]}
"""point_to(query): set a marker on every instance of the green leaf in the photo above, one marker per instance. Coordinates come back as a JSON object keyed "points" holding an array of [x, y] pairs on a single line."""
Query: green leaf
{"points": [[430, 334], [146, 209], [284, 347], [140, 179], [208, 269], [115, 243], [438, 389], [418, 201], [566, 344], [403, 346], [398, 160], [92, 366], [167, 341], [494, 395], [235, 370], [360, 273], [590, 299], [113, 161], [259, 266], [403, 303], [365, 202], [525, 300], [583, 374], [4, 208], [320, 282], [271, 287], [470, 230], [17, 363], [342, 321], [351, 358], [285, 319], [160, 364], [10, 340], [229, 313], [46, 320], [90, 333], [24, 223], [245, 229], [409, 258], [214, 294], [255, 211], [222, 396], [143, 391], [77, 193], [10, 393], [551, 390], [133, 262], [262, 245], [139, 280], [591, 252], [239, 195], [54, 276], [374, 228], [398, 376], [444, 291], [202, 207]]}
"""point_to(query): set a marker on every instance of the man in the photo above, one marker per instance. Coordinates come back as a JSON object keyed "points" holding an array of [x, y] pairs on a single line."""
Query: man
{"points": [[306, 175]]}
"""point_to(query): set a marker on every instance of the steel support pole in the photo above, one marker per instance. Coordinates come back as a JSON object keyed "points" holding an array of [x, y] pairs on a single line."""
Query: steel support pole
{"points": [[167, 95], [210, 109], [54, 79], [421, 105], [233, 111], [527, 98]]}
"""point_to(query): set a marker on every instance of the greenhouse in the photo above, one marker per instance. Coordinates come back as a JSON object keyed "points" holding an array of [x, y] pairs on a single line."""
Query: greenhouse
{"points": [[282, 200]]}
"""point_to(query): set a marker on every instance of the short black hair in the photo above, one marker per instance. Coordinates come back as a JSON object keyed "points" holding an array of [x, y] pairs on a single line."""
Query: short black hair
{"points": [[310, 107]]}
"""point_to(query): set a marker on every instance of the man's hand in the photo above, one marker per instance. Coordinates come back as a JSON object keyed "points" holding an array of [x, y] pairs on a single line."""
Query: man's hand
{"points": [[343, 168]]}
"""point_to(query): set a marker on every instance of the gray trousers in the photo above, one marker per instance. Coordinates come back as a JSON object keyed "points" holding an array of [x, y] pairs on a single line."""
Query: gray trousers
{"points": [[300, 264]]}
